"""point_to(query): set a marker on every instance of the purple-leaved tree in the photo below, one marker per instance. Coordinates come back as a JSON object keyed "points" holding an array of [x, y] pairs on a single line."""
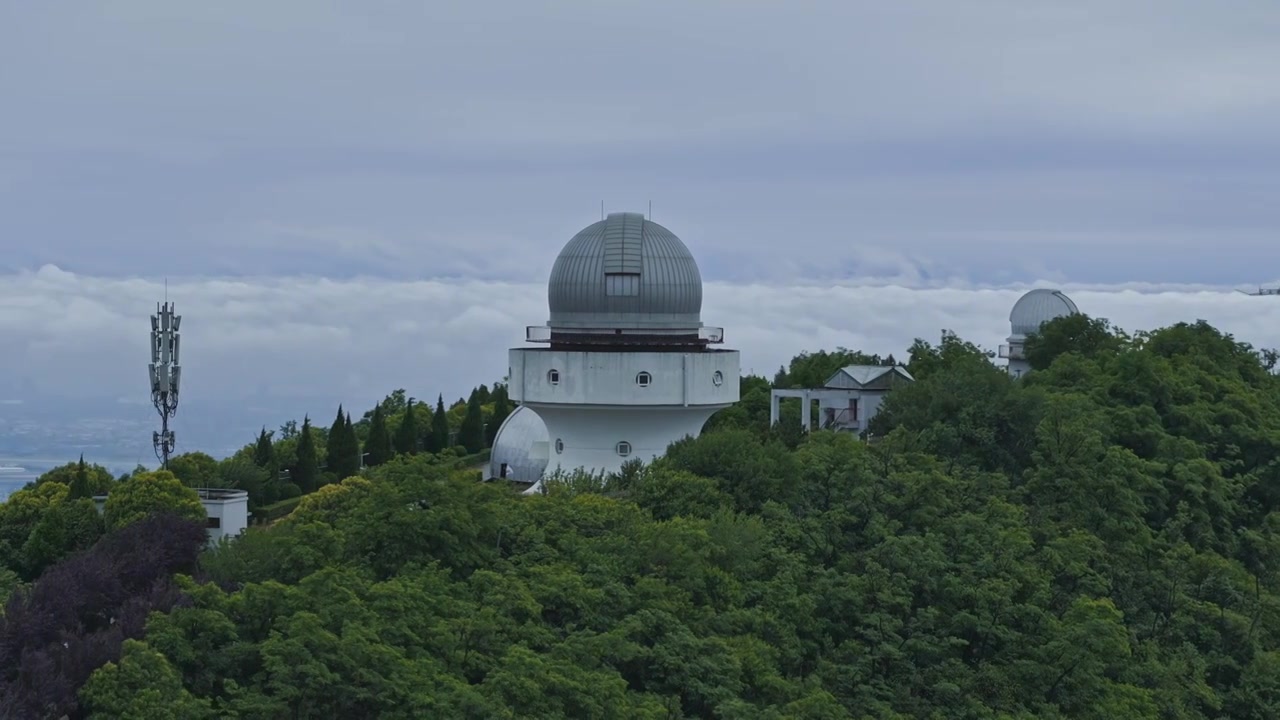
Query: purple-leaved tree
{"points": [[74, 618]]}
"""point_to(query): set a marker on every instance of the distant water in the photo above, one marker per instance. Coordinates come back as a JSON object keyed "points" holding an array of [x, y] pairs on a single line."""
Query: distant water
{"points": [[11, 482]]}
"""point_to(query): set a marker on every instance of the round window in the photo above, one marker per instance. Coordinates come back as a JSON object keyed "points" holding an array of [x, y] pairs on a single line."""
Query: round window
{"points": [[624, 448], [717, 378], [644, 379], [559, 446]]}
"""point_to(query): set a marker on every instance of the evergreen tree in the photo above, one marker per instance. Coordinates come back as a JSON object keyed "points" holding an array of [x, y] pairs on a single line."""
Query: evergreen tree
{"points": [[379, 443], [501, 409], [407, 433], [306, 473], [439, 427], [80, 485], [336, 451], [343, 451], [485, 394], [264, 456], [471, 431], [429, 443], [353, 443], [264, 453]]}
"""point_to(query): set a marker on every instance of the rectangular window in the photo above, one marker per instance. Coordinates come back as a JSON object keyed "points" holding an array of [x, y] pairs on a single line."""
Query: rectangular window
{"points": [[214, 523], [622, 284]]}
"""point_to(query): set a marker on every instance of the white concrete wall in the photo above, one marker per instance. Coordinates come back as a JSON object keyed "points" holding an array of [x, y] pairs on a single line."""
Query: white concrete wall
{"points": [[589, 435], [233, 515], [609, 378], [597, 402], [869, 402]]}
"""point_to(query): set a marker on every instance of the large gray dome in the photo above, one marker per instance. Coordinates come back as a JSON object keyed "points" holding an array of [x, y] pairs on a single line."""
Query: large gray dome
{"points": [[1037, 308], [625, 272]]}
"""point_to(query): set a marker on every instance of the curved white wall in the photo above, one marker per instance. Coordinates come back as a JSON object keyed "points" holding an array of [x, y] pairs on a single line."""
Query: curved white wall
{"points": [[609, 378], [589, 435], [597, 403]]}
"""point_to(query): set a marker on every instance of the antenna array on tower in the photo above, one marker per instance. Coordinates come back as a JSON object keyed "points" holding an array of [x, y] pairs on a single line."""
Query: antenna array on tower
{"points": [[166, 373]]}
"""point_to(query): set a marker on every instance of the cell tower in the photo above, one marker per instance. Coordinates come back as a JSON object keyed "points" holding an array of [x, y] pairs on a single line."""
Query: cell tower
{"points": [[165, 374], [1262, 292]]}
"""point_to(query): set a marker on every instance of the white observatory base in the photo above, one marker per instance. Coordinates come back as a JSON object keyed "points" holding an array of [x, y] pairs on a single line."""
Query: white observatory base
{"points": [[592, 400], [589, 435]]}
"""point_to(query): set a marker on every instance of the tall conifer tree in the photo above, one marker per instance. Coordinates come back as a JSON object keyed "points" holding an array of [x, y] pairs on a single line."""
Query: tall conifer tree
{"points": [[353, 443], [264, 452], [80, 487], [306, 473], [406, 441], [471, 431], [335, 448], [501, 409], [343, 457], [379, 443], [439, 427]]}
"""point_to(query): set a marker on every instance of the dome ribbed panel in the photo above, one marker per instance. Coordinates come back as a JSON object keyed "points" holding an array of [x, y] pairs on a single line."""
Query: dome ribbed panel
{"points": [[577, 278], [669, 284], [670, 278]]}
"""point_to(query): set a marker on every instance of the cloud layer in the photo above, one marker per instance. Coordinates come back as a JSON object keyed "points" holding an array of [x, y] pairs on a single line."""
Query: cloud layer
{"points": [[261, 350]]}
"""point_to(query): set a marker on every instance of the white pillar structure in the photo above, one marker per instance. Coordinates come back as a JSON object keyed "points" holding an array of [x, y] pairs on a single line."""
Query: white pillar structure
{"points": [[627, 367]]}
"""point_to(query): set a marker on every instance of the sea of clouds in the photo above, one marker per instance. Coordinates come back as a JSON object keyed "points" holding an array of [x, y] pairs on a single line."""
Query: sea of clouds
{"points": [[259, 351]]}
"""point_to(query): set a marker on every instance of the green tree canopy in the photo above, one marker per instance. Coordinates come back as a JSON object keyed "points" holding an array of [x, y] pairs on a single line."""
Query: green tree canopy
{"points": [[195, 469], [1076, 333], [93, 477], [149, 493]]}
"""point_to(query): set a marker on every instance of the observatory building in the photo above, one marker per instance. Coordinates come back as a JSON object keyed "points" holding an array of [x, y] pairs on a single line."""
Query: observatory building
{"points": [[1030, 312], [627, 367]]}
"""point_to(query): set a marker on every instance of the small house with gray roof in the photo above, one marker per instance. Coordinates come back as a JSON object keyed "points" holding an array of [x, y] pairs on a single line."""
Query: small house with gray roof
{"points": [[846, 401]]}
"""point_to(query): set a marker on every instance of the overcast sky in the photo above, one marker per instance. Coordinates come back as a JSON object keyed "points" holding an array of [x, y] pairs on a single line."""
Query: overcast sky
{"points": [[429, 159]]}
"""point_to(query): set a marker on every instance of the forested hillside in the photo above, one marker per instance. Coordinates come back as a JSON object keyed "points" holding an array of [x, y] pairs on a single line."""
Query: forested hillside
{"points": [[1096, 540]]}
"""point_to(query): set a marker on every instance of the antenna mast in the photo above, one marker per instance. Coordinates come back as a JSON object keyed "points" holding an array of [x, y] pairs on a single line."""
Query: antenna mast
{"points": [[165, 375]]}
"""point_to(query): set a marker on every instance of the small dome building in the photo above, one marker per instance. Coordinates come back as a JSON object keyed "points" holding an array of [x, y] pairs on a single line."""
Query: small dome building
{"points": [[627, 367], [1032, 310], [520, 449]]}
